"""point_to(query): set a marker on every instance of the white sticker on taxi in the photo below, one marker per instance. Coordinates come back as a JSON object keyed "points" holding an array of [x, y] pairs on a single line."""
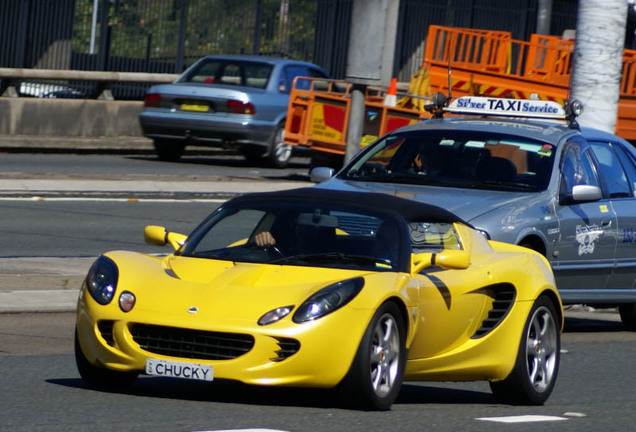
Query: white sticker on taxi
{"points": [[178, 369]]}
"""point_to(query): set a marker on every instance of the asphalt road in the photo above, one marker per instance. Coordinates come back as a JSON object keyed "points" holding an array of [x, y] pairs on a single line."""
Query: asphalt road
{"points": [[41, 389]]}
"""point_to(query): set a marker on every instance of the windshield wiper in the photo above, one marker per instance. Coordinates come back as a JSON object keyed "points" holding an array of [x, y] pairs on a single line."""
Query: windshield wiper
{"points": [[499, 185]]}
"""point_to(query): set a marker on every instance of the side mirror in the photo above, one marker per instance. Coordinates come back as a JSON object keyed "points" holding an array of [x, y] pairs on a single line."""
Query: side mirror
{"points": [[321, 174], [450, 259], [582, 193], [159, 236]]}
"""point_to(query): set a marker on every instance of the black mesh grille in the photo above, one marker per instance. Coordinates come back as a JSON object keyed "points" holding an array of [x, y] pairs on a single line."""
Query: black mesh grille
{"points": [[106, 330], [503, 297], [192, 344]]}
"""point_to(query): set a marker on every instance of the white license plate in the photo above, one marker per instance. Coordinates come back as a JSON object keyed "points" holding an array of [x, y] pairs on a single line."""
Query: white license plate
{"points": [[178, 369]]}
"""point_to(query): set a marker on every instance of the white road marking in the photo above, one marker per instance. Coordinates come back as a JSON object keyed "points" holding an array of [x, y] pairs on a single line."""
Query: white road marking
{"points": [[132, 200], [245, 430], [522, 419]]}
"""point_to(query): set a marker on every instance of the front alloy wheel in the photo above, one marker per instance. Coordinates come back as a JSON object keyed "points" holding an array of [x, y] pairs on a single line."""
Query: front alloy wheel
{"points": [[375, 377], [533, 377]]}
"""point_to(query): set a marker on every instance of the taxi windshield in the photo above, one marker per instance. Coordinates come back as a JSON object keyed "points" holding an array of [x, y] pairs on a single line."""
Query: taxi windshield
{"points": [[457, 159]]}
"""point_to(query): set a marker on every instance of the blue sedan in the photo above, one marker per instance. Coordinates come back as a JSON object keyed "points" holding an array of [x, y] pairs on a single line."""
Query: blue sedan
{"points": [[230, 101]]}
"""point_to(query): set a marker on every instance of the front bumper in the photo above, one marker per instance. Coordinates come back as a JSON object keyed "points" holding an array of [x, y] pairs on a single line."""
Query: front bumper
{"points": [[322, 359]]}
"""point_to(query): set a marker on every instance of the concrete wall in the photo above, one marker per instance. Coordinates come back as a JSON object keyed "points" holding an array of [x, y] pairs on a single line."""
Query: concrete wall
{"points": [[69, 117]]}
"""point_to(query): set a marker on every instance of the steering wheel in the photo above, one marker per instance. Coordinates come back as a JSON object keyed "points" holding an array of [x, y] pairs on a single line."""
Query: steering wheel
{"points": [[273, 250]]}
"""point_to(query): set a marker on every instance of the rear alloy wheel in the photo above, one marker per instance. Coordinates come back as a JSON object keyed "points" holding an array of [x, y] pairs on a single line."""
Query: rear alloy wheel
{"points": [[101, 378], [375, 377], [628, 315], [535, 372], [279, 153], [169, 151]]}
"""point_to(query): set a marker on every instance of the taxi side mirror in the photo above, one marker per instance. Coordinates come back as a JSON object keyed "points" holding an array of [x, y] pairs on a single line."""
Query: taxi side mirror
{"points": [[321, 174], [159, 236], [450, 259]]}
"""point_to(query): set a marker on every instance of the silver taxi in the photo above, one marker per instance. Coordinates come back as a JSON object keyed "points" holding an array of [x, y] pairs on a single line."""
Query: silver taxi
{"points": [[522, 172]]}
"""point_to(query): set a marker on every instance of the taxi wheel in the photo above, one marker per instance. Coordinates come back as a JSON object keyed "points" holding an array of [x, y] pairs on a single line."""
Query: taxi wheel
{"points": [[375, 377], [279, 153], [628, 315], [101, 378], [169, 151], [535, 372]]}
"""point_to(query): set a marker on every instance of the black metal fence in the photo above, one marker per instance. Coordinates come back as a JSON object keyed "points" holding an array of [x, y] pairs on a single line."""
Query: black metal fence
{"points": [[168, 35]]}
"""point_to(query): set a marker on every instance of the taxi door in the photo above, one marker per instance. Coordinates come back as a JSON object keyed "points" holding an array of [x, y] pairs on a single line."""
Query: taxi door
{"points": [[618, 173], [584, 252]]}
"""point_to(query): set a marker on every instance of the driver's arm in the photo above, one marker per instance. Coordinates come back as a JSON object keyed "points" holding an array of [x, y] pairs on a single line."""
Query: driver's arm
{"points": [[264, 239]]}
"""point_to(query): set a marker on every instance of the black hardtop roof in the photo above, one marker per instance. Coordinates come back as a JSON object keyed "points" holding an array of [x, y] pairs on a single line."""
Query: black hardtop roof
{"points": [[375, 202]]}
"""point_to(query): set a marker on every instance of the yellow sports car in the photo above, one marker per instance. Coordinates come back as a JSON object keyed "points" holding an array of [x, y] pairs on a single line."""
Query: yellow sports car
{"points": [[315, 288]]}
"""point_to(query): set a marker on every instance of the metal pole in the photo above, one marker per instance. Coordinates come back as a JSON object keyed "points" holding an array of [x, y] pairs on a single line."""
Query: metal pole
{"points": [[93, 27], [356, 122], [544, 17], [257, 27], [182, 36]]}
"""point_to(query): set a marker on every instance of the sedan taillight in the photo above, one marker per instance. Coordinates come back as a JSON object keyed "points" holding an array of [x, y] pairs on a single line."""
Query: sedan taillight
{"points": [[238, 107], [152, 100]]}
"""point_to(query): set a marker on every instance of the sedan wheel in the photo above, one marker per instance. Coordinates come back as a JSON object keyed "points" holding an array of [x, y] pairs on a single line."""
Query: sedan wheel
{"points": [[375, 377], [279, 153], [534, 374], [169, 151]]}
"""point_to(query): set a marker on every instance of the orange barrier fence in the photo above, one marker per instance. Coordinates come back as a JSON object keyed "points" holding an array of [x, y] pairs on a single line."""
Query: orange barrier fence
{"points": [[318, 115], [457, 62], [484, 63]]}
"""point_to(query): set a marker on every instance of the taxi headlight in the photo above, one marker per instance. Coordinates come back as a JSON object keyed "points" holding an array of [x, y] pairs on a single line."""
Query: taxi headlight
{"points": [[328, 299], [101, 280]]}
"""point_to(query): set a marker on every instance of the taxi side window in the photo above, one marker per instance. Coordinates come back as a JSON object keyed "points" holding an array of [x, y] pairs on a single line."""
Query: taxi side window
{"points": [[629, 164], [576, 168], [611, 170]]}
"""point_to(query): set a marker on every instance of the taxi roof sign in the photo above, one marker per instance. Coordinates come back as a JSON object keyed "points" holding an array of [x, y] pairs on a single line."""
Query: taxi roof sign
{"points": [[532, 108]]}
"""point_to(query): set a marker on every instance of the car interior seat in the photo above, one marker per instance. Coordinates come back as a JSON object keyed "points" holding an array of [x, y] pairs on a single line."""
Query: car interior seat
{"points": [[496, 169]]}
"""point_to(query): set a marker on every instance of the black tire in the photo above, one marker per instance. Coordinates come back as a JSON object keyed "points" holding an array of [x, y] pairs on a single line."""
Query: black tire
{"points": [[628, 315], [101, 378], [169, 151], [279, 153], [535, 372], [253, 155], [375, 377]]}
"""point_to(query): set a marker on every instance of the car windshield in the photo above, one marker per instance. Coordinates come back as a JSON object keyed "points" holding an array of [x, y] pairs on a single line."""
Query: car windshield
{"points": [[460, 159], [232, 72], [302, 235]]}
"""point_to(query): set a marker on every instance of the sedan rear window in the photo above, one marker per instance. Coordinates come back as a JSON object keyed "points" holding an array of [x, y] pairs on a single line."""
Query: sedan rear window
{"points": [[229, 72], [457, 159]]}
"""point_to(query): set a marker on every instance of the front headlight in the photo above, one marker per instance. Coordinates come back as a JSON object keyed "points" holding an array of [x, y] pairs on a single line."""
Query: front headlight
{"points": [[101, 280], [328, 300]]}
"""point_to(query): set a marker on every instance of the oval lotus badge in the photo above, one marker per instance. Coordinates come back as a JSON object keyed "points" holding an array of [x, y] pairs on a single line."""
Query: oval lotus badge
{"points": [[193, 310]]}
